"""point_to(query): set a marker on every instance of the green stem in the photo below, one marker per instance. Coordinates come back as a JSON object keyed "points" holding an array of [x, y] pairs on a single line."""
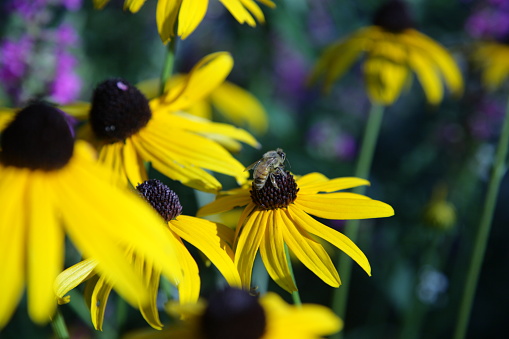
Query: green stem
{"points": [[483, 231], [340, 296], [295, 294], [59, 326], [169, 62]]}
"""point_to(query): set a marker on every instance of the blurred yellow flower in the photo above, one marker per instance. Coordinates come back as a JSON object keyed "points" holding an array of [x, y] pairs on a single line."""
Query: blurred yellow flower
{"points": [[393, 50], [274, 217], [50, 188], [181, 17], [212, 239], [438, 212], [493, 58], [128, 130], [233, 313]]}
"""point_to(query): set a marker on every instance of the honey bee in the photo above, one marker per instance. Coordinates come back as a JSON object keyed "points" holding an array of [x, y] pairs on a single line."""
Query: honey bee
{"points": [[270, 164]]}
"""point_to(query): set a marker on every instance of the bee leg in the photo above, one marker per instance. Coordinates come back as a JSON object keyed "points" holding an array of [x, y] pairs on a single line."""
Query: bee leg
{"points": [[281, 171], [273, 180]]}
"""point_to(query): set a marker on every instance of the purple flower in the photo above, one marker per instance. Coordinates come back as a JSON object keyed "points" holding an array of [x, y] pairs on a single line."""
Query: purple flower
{"points": [[72, 5], [66, 35], [66, 85]]}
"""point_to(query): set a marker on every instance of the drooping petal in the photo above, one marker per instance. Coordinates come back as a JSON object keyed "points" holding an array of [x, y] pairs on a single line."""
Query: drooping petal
{"points": [[151, 275], [336, 238], [134, 5], [213, 239], [337, 206], [72, 277], [189, 286], [239, 12], [133, 164], [332, 185], [308, 251], [166, 17], [45, 241], [13, 231], [191, 14], [428, 76], [272, 251], [99, 301], [240, 106], [111, 155], [247, 245], [384, 78]]}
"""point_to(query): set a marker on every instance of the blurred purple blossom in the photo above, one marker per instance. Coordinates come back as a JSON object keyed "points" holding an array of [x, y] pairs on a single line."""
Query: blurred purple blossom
{"points": [[72, 5], [489, 20], [329, 141], [66, 85], [66, 35], [27, 9], [14, 61], [485, 123]]}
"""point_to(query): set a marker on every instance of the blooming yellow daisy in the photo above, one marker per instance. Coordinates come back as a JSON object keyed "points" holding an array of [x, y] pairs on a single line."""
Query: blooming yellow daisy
{"points": [[210, 238], [393, 49], [493, 58], [50, 188], [281, 214], [234, 313], [128, 130], [181, 17]]}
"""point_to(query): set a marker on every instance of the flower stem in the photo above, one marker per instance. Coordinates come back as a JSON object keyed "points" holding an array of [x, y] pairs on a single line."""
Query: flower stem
{"points": [[295, 294], [169, 61], [59, 326], [340, 296], [483, 231]]}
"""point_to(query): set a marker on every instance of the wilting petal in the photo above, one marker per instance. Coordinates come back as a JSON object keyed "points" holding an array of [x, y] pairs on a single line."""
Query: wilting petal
{"points": [[72, 277], [99, 300]]}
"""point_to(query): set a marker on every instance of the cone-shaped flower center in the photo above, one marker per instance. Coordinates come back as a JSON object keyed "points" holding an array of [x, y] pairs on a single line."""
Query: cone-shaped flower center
{"points": [[118, 111], [163, 199], [38, 138], [271, 197], [393, 16], [233, 314]]}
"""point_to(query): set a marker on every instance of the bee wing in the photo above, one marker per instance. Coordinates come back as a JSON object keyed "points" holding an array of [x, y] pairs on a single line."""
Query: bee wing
{"points": [[253, 165]]}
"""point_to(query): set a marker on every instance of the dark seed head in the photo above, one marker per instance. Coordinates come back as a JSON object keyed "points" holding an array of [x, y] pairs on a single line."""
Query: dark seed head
{"points": [[271, 197], [118, 111], [163, 199], [233, 314], [38, 138], [393, 16]]}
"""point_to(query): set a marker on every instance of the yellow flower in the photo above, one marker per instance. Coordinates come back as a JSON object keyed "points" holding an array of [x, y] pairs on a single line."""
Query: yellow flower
{"points": [[233, 313], [129, 130], [181, 17], [274, 217], [211, 238], [493, 58], [50, 188], [393, 50]]}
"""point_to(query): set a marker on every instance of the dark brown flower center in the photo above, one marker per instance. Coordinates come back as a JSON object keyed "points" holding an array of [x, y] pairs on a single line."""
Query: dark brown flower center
{"points": [[118, 111], [393, 16], [162, 198], [233, 314], [271, 197], [38, 138]]}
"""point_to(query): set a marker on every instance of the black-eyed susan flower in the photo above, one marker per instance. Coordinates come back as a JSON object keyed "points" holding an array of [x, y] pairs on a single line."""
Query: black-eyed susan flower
{"points": [[493, 59], [274, 217], [233, 314], [212, 239], [50, 188], [129, 130], [181, 17], [393, 49]]}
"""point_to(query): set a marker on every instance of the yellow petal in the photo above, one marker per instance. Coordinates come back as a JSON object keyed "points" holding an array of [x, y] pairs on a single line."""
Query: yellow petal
{"points": [[6, 116], [152, 276], [166, 17], [239, 12], [204, 77], [247, 245], [46, 249], [98, 302], [79, 110], [336, 238], [308, 251], [134, 5], [428, 76], [99, 4], [272, 251], [336, 184], [111, 156], [311, 179], [201, 109], [385, 79], [73, 276], [334, 206], [240, 106], [191, 14], [133, 165], [224, 203], [213, 239], [189, 286], [13, 183]]}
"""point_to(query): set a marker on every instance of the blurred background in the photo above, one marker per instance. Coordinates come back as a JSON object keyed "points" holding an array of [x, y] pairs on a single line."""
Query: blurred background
{"points": [[431, 163]]}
